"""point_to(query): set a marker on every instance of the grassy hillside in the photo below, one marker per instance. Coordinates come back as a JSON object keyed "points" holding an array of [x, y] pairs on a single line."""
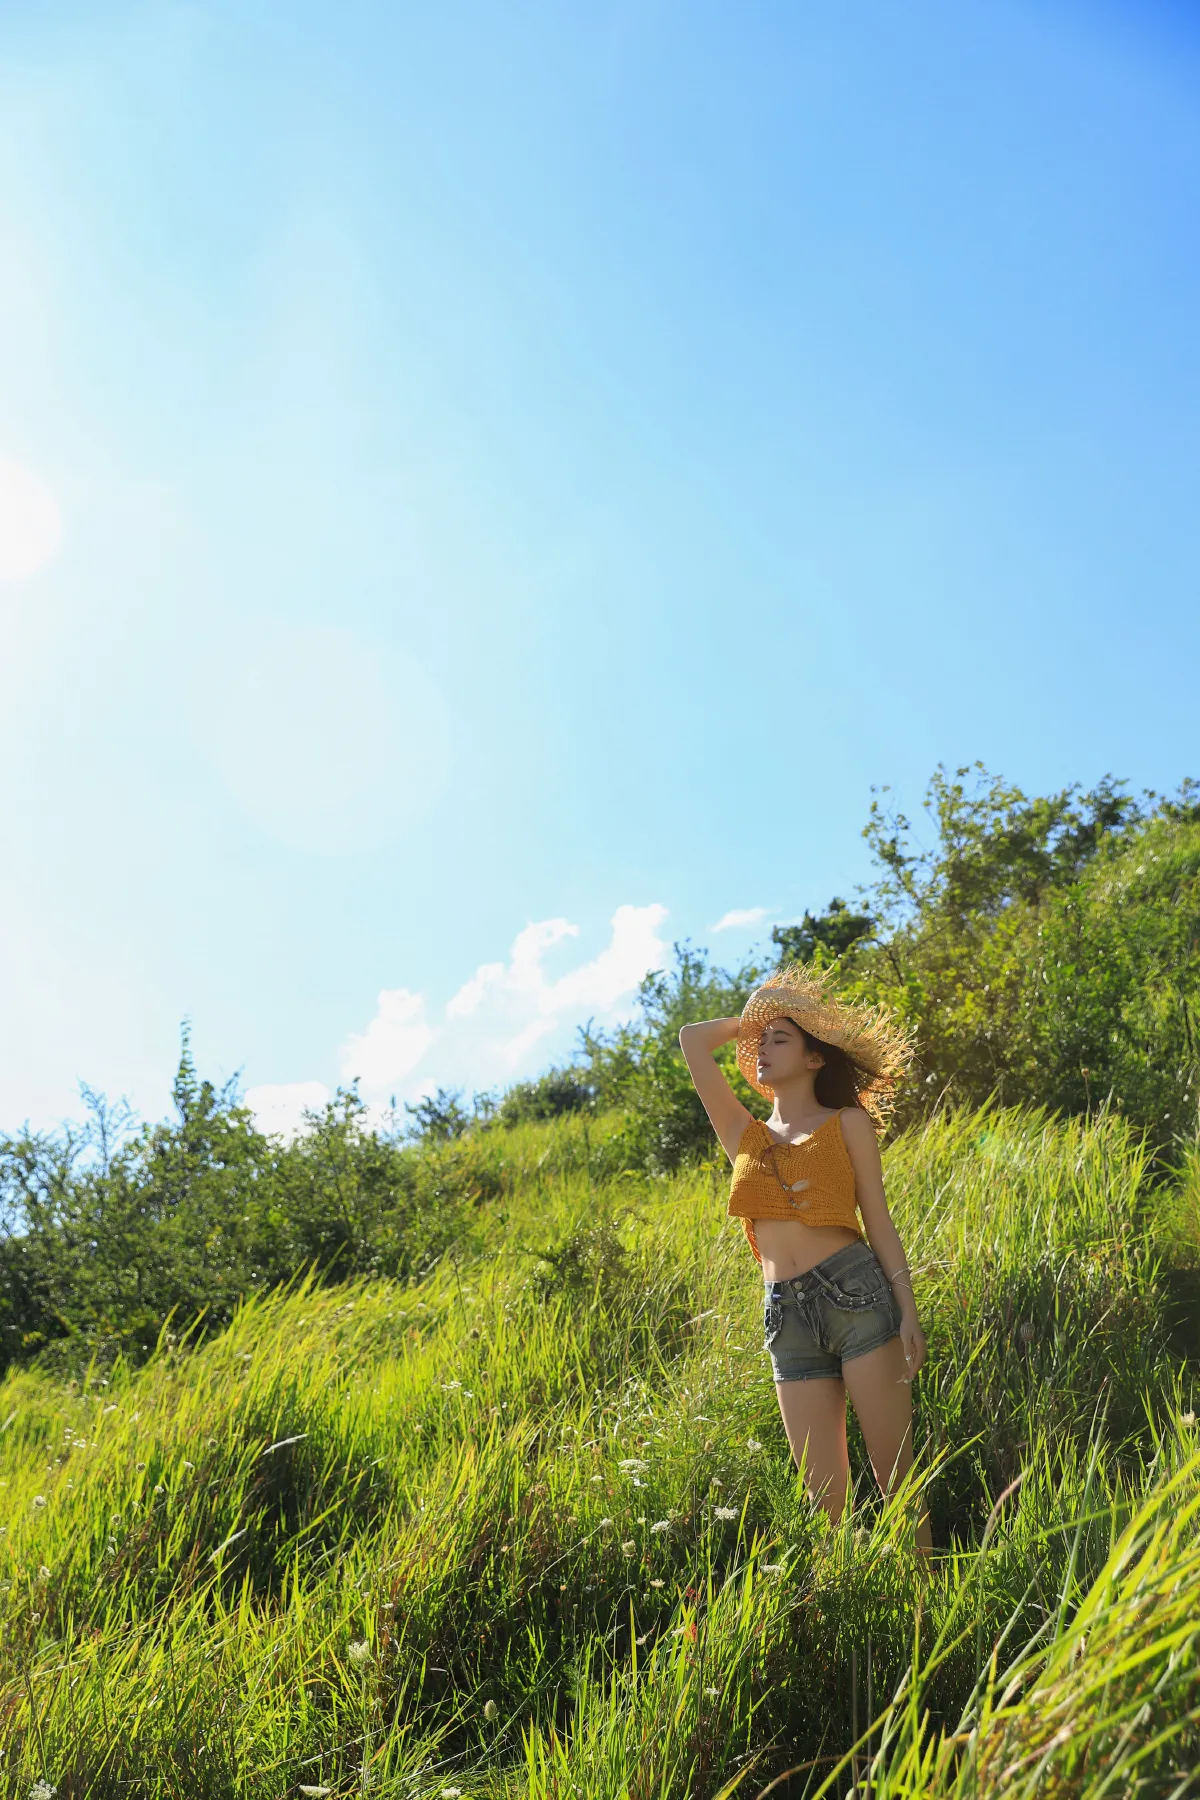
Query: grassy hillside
{"points": [[527, 1524]]}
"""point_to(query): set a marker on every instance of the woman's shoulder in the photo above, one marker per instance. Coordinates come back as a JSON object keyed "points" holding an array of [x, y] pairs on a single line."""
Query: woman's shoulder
{"points": [[856, 1124]]}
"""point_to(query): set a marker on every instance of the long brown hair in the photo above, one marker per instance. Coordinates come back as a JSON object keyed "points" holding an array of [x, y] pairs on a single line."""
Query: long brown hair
{"points": [[839, 1078]]}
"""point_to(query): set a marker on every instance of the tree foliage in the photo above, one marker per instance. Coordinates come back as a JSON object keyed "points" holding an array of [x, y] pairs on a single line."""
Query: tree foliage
{"points": [[1044, 949]]}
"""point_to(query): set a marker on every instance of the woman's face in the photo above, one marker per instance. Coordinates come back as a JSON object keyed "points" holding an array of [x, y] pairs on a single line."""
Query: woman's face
{"points": [[783, 1054]]}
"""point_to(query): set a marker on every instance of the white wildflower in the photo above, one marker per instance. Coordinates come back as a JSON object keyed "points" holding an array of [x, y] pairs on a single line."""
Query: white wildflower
{"points": [[307, 1788], [656, 1584], [714, 1483], [359, 1653], [451, 1793], [725, 1512], [753, 1444], [661, 1525], [42, 1790], [712, 1692], [604, 1522], [771, 1568], [43, 1573], [448, 1385], [633, 1462], [629, 1546], [39, 1499], [1188, 1419]]}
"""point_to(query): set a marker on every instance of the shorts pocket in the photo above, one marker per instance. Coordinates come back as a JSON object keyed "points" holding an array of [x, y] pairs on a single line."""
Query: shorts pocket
{"points": [[772, 1320], [858, 1288]]}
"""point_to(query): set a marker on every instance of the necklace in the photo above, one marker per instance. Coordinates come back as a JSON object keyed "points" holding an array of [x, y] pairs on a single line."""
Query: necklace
{"points": [[790, 1188]]}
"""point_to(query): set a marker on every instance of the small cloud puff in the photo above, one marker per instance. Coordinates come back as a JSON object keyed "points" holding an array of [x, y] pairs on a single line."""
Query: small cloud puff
{"points": [[745, 916], [393, 1044], [279, 1107]]}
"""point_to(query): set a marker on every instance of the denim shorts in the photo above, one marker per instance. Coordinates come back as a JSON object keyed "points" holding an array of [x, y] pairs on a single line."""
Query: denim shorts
{"points": [[841, 1308]]}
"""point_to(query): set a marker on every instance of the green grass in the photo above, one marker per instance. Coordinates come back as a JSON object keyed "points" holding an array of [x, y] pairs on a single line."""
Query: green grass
{"points": [[531, 1528]]}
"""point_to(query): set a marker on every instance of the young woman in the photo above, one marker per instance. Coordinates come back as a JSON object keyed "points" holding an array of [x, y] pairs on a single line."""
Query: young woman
{"points": [[838, 1313]]}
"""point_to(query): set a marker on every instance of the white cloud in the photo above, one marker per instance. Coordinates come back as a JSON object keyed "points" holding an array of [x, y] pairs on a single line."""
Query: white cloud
{"points": [[511, 1017], [393, 1044], [636, 948], [503, 1023], [279, 1108], [748, 915], [522, 976]]}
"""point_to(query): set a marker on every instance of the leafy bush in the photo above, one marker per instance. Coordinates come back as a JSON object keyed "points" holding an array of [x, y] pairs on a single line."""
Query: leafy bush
{"points": [[552, 1095], [1045, 951], [106, 1239]]}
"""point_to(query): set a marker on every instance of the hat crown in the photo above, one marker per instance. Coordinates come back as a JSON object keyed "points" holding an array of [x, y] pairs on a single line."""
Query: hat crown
{"points": [[877, 1044]]}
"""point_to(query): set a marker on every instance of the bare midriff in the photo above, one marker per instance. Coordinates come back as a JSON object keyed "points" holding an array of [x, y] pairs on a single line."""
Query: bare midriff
{"points": [[788, 1248]]}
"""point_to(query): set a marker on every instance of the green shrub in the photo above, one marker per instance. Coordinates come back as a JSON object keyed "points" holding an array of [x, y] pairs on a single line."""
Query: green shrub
{"points": [[1045, 951], [559, 1091]]}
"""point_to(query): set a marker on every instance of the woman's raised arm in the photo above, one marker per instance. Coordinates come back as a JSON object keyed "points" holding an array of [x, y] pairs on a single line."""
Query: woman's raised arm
{"points": [[728, 1116]]}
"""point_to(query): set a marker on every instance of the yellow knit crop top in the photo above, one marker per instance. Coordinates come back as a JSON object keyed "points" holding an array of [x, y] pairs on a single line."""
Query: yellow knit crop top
{"points": [[812, 1182]]}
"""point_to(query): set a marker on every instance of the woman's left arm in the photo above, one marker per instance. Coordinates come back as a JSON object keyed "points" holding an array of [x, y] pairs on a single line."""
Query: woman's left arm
{"points": [[863, 1147]]}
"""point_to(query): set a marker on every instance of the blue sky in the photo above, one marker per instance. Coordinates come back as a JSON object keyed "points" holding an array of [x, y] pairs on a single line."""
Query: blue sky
{"points": [[486, 489]]}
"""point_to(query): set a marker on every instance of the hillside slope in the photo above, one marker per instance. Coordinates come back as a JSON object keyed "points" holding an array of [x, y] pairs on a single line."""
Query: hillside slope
{"points": [[529, 1526]]}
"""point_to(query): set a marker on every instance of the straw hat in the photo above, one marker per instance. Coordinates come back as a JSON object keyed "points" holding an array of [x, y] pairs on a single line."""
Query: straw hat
{"points": [[871, 1036]]}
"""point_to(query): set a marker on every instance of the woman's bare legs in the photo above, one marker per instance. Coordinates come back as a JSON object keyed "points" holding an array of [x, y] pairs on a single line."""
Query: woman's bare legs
{"points": [[882, 1399], [814, 1413]]}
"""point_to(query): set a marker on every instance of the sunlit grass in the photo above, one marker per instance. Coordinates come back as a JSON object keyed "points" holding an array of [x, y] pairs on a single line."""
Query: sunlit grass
{"points": [[531, 1528]]}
